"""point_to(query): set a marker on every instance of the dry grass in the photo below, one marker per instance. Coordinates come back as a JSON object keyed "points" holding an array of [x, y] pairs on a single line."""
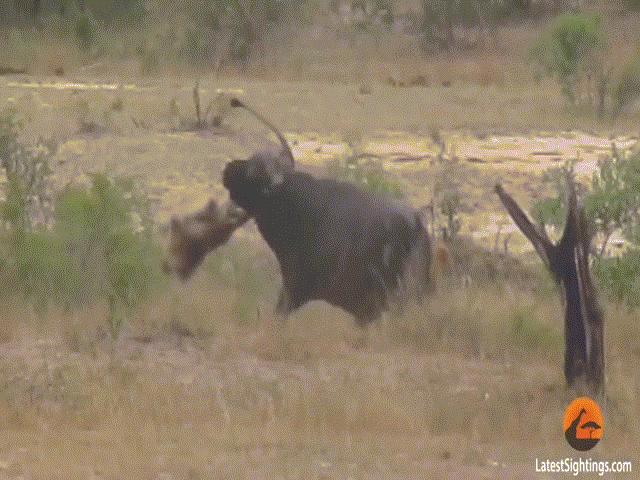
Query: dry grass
{"points": [[336, 107], [489, 90], [449, 389]]}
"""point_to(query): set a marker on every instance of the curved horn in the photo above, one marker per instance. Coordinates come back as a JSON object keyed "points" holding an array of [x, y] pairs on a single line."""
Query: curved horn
{"points": [[235, 103]]}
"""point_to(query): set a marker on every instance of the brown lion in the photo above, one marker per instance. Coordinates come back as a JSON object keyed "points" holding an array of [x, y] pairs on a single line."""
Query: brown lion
{"points": [[193, 236]]}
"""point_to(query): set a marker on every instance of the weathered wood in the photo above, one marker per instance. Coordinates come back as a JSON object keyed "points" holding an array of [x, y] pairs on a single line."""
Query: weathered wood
{"points": [[196, 103], [568, 261]]}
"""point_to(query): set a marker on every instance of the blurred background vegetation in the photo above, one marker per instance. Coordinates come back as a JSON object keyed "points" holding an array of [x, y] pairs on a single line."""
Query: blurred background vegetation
{"points": [[589, 47], [230, 34]]}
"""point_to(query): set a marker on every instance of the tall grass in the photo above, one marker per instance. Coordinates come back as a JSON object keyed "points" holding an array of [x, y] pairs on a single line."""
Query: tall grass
{"points": [[250, 274]]}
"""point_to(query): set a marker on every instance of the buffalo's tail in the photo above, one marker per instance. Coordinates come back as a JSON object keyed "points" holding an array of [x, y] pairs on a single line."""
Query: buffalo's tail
{"points": [[286, 150]]}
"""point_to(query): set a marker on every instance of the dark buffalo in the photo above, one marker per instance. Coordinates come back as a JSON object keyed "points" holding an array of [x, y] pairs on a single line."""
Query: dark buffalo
{"points": [[334, 242]]}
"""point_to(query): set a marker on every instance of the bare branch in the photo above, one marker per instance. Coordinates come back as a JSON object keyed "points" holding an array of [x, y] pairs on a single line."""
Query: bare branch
{"points": [[536, 235]]}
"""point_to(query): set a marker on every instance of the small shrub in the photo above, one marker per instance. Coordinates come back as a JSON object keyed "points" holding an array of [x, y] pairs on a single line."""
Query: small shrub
{"points": [[369, 176], [627, 88], [447, 200], [87, 122], [174, 114], [38, 267], [528, 332], [612, 204], [99, 249], [570, 51], [450, 207], [149, 60], [551, 212], [485, 267], [620, 277], [607, 204], [105, 232], [117, 105], [26, 197], [85, 31]]}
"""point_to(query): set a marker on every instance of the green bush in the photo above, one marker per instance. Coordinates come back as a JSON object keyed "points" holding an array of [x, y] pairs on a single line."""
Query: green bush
{"points": [[552, 211], [527, 331], [612, 204], [39, 269], [369, 176], [105, 236], [450, 204], [627, 87], [620, 277], [608, 203], [447, 201], [99, 249], [27, 170], [570, 51], [85, 31], [612, 201]]}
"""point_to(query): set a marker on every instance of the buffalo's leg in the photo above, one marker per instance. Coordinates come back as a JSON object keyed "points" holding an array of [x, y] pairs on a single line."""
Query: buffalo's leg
{"points": [[287, 303], [368, 313], [283, 306]]}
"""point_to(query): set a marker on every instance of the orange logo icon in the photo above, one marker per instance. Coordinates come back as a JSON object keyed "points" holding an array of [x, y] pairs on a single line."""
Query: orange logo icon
{"points": [[583, 424]]}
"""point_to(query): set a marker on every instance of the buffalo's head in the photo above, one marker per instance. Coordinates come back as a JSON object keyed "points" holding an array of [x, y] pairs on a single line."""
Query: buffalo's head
{"points": [[252, 181]]}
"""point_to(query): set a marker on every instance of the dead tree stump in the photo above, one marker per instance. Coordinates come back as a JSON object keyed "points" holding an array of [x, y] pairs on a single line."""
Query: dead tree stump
{"points": [[568, 262]]}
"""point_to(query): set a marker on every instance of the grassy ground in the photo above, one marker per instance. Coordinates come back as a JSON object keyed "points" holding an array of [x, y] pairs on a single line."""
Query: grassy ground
{"points": [[203, 385], [470, 388]]}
